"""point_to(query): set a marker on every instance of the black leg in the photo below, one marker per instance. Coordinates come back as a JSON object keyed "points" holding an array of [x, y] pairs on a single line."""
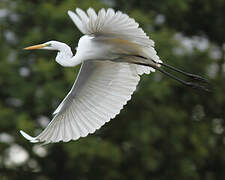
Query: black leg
{"points": [[193, 76], [186, 83]]}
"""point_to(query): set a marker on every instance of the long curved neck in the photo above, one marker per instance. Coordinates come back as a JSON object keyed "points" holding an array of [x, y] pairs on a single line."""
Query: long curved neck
{"points": [[65, 56]]}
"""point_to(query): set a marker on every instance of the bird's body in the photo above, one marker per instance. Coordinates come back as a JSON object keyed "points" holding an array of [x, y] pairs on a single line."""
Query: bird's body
{"points": [[110, 51], [103, 48]]}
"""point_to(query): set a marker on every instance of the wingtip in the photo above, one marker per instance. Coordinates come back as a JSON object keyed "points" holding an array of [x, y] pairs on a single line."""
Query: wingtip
{"points": [[90, 8], [70, 13], [28, 137], [57, 110], [79, 9]]}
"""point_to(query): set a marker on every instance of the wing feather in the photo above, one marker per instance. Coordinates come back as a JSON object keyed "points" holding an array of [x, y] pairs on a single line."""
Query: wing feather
{"points": [[77, 22], [95, 98], [92, 14], [83, 16]]}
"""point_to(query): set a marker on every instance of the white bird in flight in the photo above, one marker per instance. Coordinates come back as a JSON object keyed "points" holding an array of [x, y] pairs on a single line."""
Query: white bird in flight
{"points": [[114, 52]]}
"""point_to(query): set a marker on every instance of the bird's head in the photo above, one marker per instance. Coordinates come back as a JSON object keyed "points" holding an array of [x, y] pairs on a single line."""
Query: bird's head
{"points": [[64, 55], [50, 45]]}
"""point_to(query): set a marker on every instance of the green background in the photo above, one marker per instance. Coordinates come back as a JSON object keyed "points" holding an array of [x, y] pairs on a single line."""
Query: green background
{"points": [[167, 131]]}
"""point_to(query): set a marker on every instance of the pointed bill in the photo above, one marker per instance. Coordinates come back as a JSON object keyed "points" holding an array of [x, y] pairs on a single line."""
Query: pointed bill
{"points": [[39, 46]]}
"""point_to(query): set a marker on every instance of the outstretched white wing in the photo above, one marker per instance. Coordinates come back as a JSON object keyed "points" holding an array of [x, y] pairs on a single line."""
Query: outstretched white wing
{"points": [[99, 93], [109, 23]]}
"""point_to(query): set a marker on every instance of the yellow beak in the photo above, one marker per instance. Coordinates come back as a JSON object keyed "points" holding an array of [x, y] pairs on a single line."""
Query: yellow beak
{"points": [[35, 47]]}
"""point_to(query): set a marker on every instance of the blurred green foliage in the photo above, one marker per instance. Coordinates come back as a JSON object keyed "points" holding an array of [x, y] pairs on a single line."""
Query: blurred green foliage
{"points": [[166, 131]]}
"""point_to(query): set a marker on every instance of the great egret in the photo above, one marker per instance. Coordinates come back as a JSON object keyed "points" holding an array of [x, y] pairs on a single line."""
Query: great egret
{"points": [[114, 52]]}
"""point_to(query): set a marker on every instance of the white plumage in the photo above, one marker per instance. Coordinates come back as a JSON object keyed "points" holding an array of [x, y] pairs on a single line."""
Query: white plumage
{"points": [[107, 77]]}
